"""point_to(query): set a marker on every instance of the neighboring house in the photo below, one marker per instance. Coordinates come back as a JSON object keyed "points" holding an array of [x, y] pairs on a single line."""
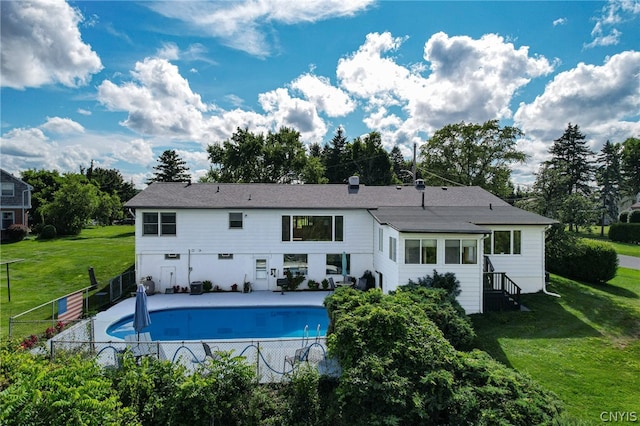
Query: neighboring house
{"points": [[232, 233], [15, 201]]}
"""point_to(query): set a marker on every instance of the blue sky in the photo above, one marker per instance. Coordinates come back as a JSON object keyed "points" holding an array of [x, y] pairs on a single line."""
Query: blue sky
{"points": [[118, 82]]}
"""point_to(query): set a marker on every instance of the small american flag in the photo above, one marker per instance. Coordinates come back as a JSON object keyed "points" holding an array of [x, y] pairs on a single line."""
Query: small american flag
{"points": [[70, 307]]}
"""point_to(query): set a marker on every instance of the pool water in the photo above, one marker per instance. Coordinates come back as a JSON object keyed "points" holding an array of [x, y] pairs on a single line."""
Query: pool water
{"points": [[229, 323]]}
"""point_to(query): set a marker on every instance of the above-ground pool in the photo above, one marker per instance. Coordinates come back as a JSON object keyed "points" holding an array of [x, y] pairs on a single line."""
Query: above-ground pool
{"points": [[246, 322]]}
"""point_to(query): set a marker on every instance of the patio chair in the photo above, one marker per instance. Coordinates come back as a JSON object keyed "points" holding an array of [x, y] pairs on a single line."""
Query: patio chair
{"points": [[332, 284], [301, 355], [362, 284], [209, 353]]}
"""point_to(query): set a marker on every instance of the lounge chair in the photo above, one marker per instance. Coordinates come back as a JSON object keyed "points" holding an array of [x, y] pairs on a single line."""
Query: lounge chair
{"points": [[209, 353]]}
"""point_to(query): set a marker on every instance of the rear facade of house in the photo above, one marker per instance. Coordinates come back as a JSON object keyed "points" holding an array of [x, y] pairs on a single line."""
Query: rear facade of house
{"points": [[236, 233]]}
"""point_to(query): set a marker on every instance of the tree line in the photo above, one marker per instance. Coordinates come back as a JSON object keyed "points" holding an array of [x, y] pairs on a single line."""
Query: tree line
{"points": [[576, 186]]}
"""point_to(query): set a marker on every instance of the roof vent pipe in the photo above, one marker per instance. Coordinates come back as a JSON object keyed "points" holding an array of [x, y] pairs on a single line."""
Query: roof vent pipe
{"points": [[420, 184]]}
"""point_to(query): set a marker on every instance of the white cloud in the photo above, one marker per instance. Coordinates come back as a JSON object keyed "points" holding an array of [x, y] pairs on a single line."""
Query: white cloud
{"points": [[589, 95], [604, 32], [559, 21], [332, 100], [162, 102], [41, 44], [470, 79], [62, 125], [297, 113], [84, 111], [239, 24]]}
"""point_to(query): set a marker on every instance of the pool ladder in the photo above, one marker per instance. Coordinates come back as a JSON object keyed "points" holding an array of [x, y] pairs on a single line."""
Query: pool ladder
{"points": [[305, 336]]}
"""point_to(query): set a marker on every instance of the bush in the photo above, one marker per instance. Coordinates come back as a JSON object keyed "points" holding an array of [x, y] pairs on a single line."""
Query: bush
{"points": [[634, 216], [624, 217], [48, 232], [17, 232], [585, 260], [625, 232], [446, 281]]}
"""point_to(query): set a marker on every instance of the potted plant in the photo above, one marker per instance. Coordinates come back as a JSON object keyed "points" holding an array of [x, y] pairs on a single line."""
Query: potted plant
{"points": [[207, 285], [234, 287], [325, 284], [313, 284]]}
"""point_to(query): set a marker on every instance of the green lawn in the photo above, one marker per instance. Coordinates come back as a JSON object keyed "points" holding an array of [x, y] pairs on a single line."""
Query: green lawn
{"points": [[54, 268], [584, 346], [626, 249]]}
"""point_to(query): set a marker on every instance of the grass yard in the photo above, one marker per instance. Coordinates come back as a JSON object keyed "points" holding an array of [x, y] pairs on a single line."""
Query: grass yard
{"points": [[626, 249], [54, 268], [584, 346]]}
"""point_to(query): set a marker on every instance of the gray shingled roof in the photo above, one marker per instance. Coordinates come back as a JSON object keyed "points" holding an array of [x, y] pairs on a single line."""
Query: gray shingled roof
{"points": [[455, 209]]}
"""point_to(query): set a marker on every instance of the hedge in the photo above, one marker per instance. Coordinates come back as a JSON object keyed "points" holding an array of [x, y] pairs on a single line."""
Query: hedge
{"points": [[625, 232], [585, 260], [634, 216]]}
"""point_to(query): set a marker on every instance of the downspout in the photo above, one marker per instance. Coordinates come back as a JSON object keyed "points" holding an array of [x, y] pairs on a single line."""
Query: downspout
{"points": [[544, 281]]}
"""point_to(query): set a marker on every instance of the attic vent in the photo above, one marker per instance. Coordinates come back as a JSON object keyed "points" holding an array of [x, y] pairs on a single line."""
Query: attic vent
{"points": [[172, 256], [354, 184], [420, 184]]}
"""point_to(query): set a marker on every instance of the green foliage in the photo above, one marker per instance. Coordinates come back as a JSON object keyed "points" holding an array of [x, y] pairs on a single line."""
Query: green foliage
{"points": [[624, 217], [472, 154], [634, 216], [293, 281], [399, 369], [170, 168], [631, 166], [72, 207], [446, 281], [17, 232], [625, 232], [35, 391], [369, 160], [48, 232], [586, 260], [303, 398], [207, 285]]}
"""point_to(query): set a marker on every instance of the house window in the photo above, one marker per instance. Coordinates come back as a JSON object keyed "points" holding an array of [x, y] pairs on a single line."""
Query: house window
{"points": [[461, 252], [7, 219], [334, 264], [261, 269], [235, 220], [8, 189], [158, 224], [172, 256], [392, 248], [380, 239], [420, 252], [501, 242], [452, 251], [313, 228], [504, 242], [296, 264]]}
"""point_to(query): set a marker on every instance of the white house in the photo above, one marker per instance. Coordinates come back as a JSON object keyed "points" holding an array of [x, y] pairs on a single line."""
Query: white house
{"points": [[232, 233]]}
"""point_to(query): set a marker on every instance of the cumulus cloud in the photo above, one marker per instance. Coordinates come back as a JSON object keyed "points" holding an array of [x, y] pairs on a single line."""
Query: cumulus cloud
{"points": [[588, 94], [41, 44], [298, 113], [330, 99], [159, 102], [62, 125], [469, 79], [240, 25]]}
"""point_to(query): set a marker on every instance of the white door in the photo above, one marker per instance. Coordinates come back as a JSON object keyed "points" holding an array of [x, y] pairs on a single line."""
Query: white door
{"points": [[261, 274]]}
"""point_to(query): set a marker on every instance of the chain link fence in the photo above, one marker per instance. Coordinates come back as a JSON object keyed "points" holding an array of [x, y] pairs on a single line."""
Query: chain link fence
{"points": [[272, 359]]}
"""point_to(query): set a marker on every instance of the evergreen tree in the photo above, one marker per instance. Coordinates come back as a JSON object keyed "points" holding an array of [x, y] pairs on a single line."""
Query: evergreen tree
{"points": [[170, 168], [400, 166], [335, 158], [572, 157], [370, 160], [608, 176], [631, 166]]}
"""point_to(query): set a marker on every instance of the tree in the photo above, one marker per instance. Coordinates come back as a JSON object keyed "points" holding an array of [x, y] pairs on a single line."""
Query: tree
{"points": [[73, 205], [170, 168], [112, 182], [570, 156], [400, 166], [246, 157], [631, 166], [45, 183], [335, 158], [472, 154], [547, 193], [608, 176], [369, 160]]}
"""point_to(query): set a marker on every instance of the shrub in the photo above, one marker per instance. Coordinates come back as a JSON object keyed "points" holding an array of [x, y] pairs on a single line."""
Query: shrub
{"points": [[585, 260], [48, 232], [207, 285], [625, 232], [446, 281], [17, 232], [624, 217], [634, 216]]}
